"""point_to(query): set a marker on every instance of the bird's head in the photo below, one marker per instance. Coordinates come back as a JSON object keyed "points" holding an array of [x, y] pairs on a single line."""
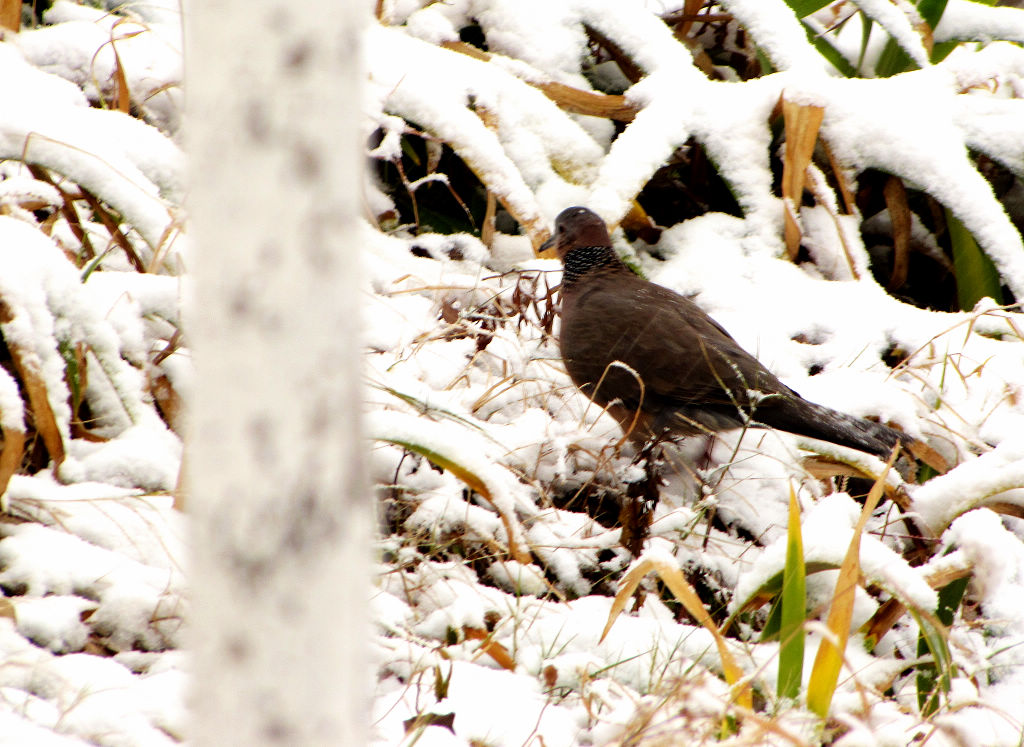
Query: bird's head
{"points": [[577, 227]]}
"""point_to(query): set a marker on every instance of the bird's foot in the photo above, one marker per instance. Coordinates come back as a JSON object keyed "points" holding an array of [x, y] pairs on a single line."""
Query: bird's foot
{"points": [[642, 496], [704, 463]]}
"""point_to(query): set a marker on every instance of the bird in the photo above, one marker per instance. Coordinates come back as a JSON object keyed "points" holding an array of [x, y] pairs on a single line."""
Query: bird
{"points": [[663, 368]]}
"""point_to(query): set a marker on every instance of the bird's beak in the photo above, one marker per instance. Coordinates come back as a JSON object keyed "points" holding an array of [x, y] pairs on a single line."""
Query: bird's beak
{"points": [[547, 249]]}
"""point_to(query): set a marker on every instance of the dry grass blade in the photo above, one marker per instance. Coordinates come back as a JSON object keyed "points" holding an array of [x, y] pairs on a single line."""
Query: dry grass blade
{"points": [[13, 419], [575, 100], [922, 27], [27, 368], [824, 467], [826, 198], [67, 209], [489, 227], [686, 596], [925, 453], [181, 489], [169, 402], [122, 95], [690, 10], [164, 245], [10, 456], [638, 221], [1006, 508], [802, 124], [46, 423], [899, 215], [10, 15], [490, 647], [630, 68], [115, 230], [840, 174], [829, 660]]}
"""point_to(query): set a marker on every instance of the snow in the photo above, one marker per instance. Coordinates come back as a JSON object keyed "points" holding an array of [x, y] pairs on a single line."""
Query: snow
{"points": [[900, 23], [827, 530], [827, 316], [62, 133], [777, 30], [54, 622], [994, 475], [85, 45], [963, 19], [90, 565], [922, 101], [12, 410], [489, 605], [474, 688], [644, 37], [516, 159]]}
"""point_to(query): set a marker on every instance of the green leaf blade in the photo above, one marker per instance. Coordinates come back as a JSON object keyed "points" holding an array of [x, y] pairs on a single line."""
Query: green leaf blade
{"points": [[976, 276], [793, 608]]}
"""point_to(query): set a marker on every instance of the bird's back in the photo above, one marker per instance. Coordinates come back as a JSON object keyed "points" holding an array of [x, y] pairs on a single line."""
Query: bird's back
{"points": [[690, 367]]}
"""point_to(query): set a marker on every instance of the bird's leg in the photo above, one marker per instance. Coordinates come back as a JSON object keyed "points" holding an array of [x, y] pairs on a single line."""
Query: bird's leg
{"points": [[704, 463], [642, 496]]}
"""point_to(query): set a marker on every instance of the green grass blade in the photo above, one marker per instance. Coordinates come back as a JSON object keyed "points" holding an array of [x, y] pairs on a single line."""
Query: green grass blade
{"points": [[773, 625], [829, 660], [950, 597], [893, 59], [866, 25], [942, 50], [830, 53], [931, 11], [806, 7], [794, 603], [976, 276], [935, 677], [72, 373]]}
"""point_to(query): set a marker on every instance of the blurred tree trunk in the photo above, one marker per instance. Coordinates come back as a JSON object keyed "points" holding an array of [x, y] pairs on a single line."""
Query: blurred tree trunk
{"points": [[280, 513]]}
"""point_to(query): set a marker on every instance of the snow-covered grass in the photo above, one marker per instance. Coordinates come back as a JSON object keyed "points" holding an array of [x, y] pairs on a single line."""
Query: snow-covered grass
{"points": [[91, 548], [462, 329], [499, 487]]}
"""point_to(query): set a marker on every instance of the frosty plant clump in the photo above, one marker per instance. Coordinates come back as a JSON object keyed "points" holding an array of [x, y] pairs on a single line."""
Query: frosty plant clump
{"points": [[93, 373], [838, 184]]}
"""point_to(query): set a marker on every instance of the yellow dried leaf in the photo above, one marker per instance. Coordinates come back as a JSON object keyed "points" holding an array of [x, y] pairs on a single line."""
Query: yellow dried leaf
{"points": [[685, 595], [802, 124]]}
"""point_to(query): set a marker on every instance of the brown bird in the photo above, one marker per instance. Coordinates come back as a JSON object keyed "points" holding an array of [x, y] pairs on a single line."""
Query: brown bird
{"points": [[662, 367]]}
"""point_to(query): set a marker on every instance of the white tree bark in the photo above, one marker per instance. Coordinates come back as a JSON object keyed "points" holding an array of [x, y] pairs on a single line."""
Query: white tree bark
{"points": [[281, 514]]}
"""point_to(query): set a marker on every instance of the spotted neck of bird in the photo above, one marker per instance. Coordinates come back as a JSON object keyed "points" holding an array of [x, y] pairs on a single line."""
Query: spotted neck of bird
{"points": [[582, 260]]}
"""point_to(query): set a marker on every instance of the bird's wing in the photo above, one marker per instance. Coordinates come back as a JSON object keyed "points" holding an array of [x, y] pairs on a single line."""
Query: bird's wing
{"points": [[683, 356]]}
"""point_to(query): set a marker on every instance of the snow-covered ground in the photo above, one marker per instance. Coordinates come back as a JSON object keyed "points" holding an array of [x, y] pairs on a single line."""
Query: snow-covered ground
{"points": [[490, 604], [91, 552]]}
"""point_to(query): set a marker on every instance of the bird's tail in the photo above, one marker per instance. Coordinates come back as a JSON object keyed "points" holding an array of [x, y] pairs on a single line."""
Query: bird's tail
{"points": [[816, 421]]}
